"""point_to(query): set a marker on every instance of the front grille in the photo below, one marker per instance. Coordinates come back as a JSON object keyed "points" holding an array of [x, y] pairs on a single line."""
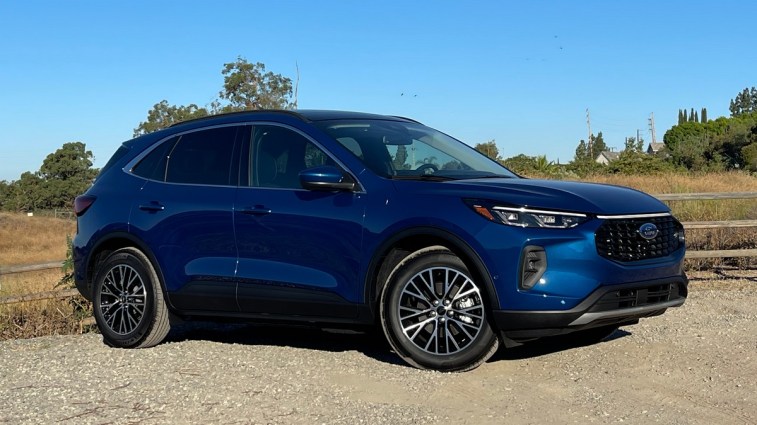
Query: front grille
{"points": [[620, 239]]}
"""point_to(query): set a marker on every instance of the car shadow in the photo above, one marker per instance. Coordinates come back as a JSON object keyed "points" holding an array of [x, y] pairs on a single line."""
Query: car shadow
{"points": [[550, 345], [370, 343]]}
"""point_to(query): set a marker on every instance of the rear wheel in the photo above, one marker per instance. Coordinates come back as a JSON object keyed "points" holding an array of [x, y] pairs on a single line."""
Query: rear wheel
{"points": [[434, 313], [128, 301]]}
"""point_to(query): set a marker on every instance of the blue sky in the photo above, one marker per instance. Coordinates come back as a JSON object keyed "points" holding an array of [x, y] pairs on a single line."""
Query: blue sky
{"points": [[521, 73]]}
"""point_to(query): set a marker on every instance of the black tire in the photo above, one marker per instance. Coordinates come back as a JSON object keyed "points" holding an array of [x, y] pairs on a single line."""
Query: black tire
{"points": [[128, 302], [434, 315]]}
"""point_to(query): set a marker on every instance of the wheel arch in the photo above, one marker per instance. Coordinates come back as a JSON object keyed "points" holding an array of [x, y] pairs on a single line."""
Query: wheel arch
{"points": [[405, 242], [113, 242]]}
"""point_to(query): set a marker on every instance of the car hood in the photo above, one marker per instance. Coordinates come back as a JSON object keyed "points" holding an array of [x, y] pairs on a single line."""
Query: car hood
{"points": [[557, 195]]}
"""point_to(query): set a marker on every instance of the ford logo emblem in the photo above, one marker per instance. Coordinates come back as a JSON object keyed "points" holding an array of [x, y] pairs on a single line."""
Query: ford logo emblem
{"points": [[648, 231]]}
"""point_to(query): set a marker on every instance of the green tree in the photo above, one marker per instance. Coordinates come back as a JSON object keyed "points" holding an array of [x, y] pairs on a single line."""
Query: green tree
{"points": [[704, 116], [681, 119], [597, 146], [749, 153], [163, 115], [687, 144], [247, 86], [26, 193], [521, 164], [582, 152], [66, 173], [5, 193], [489, 149], [685, 116], [744, 102]]}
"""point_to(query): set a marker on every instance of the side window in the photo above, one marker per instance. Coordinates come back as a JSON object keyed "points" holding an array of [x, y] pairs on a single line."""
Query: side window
{"points": [[279, 154], [153, 166], [203, 157]]}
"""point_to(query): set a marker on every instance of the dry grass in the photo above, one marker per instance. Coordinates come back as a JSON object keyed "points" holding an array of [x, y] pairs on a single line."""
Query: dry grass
{"points": [[683, 183], [28, 240], [696, 210], [43, 317]]}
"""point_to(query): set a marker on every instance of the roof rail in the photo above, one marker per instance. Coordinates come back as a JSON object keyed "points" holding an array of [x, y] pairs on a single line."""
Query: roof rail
{"points": [[227, 114], [406, 118]]}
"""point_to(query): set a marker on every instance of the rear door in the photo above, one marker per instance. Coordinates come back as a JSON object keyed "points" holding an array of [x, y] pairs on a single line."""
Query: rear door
{"points": [[184, 214], [299, 250]]}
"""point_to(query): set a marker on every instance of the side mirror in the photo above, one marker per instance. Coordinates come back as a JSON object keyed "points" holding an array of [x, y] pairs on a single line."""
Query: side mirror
{"points": [[326, 177]]}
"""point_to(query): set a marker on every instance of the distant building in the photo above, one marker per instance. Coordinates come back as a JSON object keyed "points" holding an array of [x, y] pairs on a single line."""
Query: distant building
{"points": [[654, 148], [607, 157]]}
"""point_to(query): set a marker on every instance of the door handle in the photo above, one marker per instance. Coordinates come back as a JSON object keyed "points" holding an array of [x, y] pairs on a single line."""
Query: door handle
{"points": [[152, 207], [256, 210]]}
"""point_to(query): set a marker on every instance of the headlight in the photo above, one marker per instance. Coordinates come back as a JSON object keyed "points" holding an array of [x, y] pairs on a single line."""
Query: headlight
{"points": [[528, 217]]}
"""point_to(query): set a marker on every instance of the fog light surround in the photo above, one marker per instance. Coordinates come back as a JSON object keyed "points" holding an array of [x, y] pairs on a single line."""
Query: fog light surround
{"points": [[533, 264]]}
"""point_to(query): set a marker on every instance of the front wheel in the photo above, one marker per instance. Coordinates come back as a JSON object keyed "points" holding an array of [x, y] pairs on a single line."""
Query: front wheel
{"points": [[128, 301], [434, 313]]}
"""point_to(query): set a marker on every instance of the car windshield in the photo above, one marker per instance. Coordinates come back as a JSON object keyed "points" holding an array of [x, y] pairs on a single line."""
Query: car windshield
{"points": [[406, 150]]}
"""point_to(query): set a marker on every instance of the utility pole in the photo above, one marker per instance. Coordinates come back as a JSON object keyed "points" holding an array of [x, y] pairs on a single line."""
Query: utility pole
{"points": [[651, 127], [588, 141]]}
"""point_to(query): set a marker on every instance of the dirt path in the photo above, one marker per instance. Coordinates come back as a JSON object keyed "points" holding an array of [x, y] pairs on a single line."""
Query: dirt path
{"points": [[694, 365]]}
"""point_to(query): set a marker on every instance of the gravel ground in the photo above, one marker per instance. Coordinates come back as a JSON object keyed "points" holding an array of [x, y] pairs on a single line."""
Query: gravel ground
{"points": [[694, 365]]}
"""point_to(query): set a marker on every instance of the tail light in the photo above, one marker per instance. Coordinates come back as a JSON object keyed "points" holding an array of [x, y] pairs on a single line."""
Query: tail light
{"points": [[82, 204]]}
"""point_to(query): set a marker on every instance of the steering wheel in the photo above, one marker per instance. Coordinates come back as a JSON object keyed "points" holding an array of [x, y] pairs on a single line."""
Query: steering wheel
{"points": [[426, 167]]}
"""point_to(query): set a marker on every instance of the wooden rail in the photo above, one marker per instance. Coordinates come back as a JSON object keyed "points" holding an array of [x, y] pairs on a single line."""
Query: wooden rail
{"points": [[689, 225], [705, 196], [31, 267]]}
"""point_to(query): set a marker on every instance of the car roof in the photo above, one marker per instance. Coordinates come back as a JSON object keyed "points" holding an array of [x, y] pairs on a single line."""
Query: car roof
{"points": [[307, 115]]}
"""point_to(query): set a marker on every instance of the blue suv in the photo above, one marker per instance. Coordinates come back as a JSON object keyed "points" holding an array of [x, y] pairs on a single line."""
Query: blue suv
{"points": [[344, 218]]}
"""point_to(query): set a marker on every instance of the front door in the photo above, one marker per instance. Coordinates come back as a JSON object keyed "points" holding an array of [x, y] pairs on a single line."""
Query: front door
{"points": [[299, 250]]}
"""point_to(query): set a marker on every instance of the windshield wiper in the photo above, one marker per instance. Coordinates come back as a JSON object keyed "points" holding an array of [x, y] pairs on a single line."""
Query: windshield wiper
{"points": [[490, 176], [426, 177]]}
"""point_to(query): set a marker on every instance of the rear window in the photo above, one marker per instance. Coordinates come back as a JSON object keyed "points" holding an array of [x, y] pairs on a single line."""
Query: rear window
{"points": [[120, 153]]}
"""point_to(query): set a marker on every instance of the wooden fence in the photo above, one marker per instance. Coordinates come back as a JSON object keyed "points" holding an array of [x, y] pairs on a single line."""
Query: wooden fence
{"points": [[668, 197], [729, 253]]}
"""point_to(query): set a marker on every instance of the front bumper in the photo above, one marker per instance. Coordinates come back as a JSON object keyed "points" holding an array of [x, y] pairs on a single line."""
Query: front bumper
{"points": [[607, 305]]}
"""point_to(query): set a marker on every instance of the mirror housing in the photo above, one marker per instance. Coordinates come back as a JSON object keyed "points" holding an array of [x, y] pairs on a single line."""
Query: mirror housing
{"points": [[326, 177]]}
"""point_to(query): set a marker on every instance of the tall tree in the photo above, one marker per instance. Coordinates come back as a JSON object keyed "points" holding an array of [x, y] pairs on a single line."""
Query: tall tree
{"points": [[247, 86], [582, 152], [5, 193], [163, 115], [489, 149], [685, 116], [696, 116], [691, 115], [681, 119], [704, 115], [744, 102], [598, 145], [26, 193], [66, 173]]}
